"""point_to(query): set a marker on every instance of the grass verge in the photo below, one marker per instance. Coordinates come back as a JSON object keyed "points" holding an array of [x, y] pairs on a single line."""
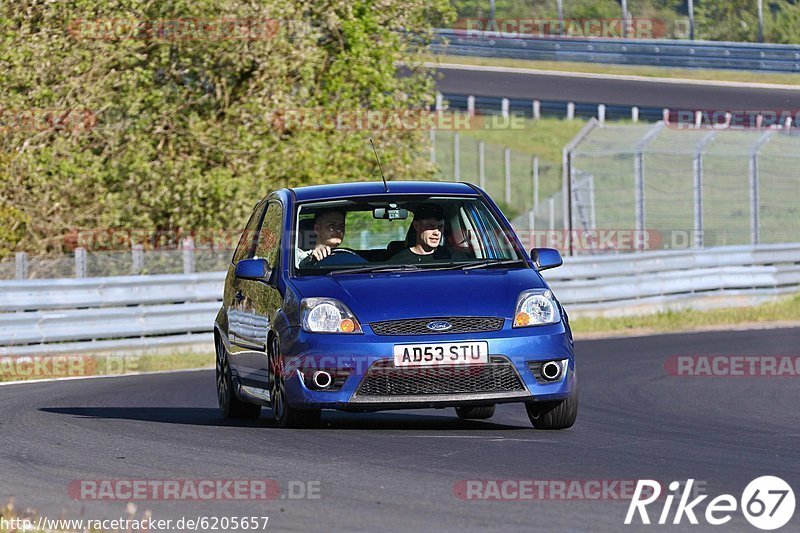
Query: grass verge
{"points": [[24, 368], [627, 70], [544, 138], [783, 311]]}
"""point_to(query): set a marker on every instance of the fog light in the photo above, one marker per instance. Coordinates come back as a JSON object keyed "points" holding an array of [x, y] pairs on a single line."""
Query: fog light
{"points": [[330, 380], [547, 372], [551, 371]]}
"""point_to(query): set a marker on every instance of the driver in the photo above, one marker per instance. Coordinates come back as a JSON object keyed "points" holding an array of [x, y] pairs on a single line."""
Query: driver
{"points": [[329, 225]]}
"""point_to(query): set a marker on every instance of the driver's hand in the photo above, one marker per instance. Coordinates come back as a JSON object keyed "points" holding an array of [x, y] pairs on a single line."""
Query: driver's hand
{"points": [[321, 252]]}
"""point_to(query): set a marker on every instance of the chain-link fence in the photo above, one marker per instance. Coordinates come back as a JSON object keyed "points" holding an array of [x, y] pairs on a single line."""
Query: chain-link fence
{"points": [[514, 180], [629, 188], [669, 188], [89, 264]]}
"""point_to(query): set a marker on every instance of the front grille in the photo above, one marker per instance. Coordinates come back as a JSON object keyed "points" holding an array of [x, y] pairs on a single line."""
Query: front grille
{"points": [[384, 379], [419, 326]]}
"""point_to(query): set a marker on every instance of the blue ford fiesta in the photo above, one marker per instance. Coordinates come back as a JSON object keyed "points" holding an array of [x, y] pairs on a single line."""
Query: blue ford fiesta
{"points": [[373, 296]]}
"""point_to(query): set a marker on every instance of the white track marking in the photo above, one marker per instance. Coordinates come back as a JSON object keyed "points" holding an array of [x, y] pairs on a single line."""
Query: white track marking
{"points": [[74, 378]]}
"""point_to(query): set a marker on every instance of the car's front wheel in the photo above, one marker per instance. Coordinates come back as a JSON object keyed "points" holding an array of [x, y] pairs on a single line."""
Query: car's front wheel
{"points": [[285, 415], [229, 404], [555, 415], [475, 413]]}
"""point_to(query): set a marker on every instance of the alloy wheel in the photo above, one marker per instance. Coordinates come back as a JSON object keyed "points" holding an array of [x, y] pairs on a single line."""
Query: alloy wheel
{"points": [[277, 391], [223, 378]]}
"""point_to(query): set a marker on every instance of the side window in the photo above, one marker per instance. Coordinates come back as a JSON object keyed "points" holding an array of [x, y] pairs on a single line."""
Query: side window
{"points": [[499, 247], [269, 236], [248, 239], [471, 222]]}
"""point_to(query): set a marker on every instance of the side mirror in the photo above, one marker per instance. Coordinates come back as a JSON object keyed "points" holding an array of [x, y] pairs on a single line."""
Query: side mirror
{"points": [[545, 258], [252, 269]]}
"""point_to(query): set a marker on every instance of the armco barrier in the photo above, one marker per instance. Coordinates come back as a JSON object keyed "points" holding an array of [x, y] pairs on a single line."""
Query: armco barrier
{"points": [[652, 281], [136, 312], [653, 52], [114, 313], [69, 293]]}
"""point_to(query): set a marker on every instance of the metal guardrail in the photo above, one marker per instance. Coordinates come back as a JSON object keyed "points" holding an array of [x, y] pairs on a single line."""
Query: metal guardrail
{"points": [[120, 322], [113, 313], [652, 52], [702, 278], [537, 108], [68, 293], [136, 312]]}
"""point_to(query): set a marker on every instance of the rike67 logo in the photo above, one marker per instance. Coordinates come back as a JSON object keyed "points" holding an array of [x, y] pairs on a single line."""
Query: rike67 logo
{"points": [[767, 503]]}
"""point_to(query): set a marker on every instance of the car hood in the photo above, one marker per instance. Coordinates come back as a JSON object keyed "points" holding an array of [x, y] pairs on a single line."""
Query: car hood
{"points": [[390, 296]]}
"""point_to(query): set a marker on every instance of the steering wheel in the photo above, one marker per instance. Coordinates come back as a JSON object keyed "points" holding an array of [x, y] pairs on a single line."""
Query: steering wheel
{"points": [[343, 251], [342, 256]]}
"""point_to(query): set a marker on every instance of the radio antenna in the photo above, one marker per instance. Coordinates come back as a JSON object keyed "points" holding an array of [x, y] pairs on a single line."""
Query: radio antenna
{"points": [[385, 185]]}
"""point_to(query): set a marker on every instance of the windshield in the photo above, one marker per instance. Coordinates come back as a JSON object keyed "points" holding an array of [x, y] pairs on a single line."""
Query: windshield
{"points": [[390, 233]]}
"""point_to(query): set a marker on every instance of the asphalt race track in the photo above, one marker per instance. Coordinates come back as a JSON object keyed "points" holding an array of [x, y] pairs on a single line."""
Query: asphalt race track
{"points": [[396, 471], [611, 91]]}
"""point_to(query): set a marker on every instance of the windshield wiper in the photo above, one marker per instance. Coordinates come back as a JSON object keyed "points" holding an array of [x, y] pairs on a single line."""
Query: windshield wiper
{"points": [[432, 267], [379, 268], [469, 266], [491, 262]]}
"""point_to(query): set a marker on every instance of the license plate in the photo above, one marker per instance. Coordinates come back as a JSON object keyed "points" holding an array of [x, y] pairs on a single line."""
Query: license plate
{"points": [[449, 353]]}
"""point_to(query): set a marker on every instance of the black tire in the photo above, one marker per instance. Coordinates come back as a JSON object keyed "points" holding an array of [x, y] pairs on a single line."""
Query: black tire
{"points": [[229, 404], [555, 415], [475, 413], [285, 415]]}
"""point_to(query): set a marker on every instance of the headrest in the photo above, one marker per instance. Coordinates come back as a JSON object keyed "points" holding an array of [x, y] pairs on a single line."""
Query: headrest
{"points": [[307, 238], [425, 211]]}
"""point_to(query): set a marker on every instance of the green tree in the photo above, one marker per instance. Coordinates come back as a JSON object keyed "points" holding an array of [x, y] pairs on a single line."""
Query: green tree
{"points": [[181, 132]]}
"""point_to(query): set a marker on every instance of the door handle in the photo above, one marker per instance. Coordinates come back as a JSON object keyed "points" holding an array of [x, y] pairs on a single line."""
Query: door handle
{"points": [[238, 296]]}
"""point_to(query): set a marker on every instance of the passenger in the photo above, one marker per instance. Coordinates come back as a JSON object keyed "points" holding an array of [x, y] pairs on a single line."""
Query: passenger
{"points": [[428, 225]]}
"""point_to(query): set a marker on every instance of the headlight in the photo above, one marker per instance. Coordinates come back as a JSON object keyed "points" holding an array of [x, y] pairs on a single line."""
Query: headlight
{"points": [[536, 307], [326, 315]]}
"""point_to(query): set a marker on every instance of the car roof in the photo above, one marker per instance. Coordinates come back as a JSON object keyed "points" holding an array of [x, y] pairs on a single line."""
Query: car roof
{"points": [[369, 188]]}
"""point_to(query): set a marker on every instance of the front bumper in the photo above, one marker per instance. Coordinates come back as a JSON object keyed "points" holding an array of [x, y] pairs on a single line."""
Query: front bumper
{"points": [[307, 352]]}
